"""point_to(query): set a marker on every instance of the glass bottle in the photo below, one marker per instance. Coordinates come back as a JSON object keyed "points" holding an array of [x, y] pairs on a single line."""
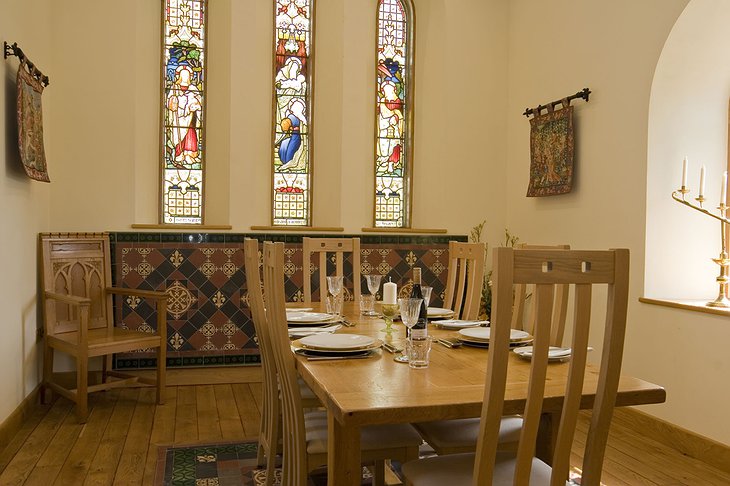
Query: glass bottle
{"points": [[420, 329]]}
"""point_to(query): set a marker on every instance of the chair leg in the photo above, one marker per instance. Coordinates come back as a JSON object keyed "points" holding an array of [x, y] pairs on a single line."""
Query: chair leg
{"points": [[47, 371], [260, 454], [270, 466], [106, 365], [82, 392], [379, 473]]}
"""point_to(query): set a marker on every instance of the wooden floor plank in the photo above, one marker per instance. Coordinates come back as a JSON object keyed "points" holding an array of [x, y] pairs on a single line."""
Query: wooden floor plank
{"points": [[52, 448], [163, 432], [230, 419], [134, 456], [209, 426], [104, 465], [186, 416], [250, 415], [49, 465], [29, 425], [22, 464], [82, 452]]}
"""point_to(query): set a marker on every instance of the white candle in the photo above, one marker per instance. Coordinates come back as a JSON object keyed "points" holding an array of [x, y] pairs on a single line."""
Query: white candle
{"points": [[723, 190], [390, 291], [702, 181], [684, 172]]}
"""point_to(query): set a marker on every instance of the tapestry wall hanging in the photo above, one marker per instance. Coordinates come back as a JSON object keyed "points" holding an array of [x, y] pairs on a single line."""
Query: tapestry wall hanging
{"points": [[30, 124], [551, 152]]}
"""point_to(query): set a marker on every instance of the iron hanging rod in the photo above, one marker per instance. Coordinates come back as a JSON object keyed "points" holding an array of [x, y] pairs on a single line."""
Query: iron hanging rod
{"points": [[583, 94], [14, 50]]}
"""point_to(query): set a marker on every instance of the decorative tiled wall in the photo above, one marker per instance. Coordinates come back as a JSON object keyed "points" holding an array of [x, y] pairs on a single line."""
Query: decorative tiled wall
{"points": [[209, 322]]}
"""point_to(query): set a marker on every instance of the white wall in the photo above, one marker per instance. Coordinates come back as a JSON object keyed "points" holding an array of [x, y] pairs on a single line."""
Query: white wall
{"points": [[555, 49], [688, 115], [25, 205]]}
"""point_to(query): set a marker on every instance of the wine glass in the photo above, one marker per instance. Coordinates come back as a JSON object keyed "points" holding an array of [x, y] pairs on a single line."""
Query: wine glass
{"points": [[409, 310], [373, 282], [334, 285], [426, 292]]}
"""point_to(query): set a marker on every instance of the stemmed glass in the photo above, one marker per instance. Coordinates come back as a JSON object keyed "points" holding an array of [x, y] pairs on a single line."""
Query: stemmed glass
{"points": [[334, 285], [409, 310], [426, 291], [373, 282]]}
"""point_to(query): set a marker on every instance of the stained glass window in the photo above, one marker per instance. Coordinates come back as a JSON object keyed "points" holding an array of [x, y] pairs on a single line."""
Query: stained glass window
{"points": [[393, 131], [183, 120], [292, 112]]}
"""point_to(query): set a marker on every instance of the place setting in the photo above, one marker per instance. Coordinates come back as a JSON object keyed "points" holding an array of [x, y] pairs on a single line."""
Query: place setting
{"points": [[328, 346], [478, 337]]}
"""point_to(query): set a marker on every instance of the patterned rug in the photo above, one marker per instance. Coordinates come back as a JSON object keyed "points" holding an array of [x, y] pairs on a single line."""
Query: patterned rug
{"points": [[231, 464]]}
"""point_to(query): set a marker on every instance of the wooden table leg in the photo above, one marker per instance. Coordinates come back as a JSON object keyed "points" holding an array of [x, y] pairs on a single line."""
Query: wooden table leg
{"points": [[343, 454], [547, 434]]}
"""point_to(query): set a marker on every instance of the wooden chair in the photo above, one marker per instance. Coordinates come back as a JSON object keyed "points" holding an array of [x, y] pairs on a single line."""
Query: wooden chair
{"points": [[460, 435], [560, 304], [465, 279], [270, 427], [323, 247], [78, 315], [544, 268], [305, 434]]}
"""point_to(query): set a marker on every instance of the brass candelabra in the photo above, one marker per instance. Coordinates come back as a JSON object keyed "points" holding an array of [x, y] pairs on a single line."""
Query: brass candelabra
{"points": [[723, 261]]}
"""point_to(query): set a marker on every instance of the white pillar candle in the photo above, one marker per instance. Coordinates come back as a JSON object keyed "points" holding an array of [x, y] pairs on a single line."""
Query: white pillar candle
{"points": [[702, 181], [723, 189], [390, 291], [684, 172]]}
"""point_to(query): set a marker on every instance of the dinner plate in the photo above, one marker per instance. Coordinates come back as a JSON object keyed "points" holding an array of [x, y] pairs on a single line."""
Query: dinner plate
{"points": [[483, 333], [439, 312], [479, 343], [336, 341], [299, 348], [300, 332], [554, 353], [458, 323], [352, 353], [299, 316], [298, 309]]}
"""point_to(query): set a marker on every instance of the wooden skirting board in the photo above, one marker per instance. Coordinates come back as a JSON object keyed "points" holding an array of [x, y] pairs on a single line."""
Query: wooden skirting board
{"points": [[687, 442]]}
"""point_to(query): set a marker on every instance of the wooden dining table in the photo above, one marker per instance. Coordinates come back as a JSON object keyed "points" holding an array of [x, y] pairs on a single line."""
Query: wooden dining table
{"points": [[379, 390]]}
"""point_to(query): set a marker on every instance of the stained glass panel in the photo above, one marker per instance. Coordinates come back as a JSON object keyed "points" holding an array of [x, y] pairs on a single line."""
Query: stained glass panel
{"points": [[392, 116], [183, 145], [292, 113]]}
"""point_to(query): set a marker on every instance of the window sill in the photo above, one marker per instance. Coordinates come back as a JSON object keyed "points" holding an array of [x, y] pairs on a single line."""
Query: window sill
{"points": [[321, 229], [691, 305], [184, 226], [405, 230]]}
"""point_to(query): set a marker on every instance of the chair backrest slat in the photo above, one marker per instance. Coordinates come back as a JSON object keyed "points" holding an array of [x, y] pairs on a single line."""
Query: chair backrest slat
{"points": [[295, 458], [465, 279], [323, 247], [546, 269], [271, 407]]}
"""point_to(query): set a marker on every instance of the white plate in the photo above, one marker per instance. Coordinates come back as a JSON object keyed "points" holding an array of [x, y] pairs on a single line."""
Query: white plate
{"points": [[554, 353], [299, 332], [298, 309], [439, 312], [337, 341], [308, 317], [482, 334], [458, 323]]}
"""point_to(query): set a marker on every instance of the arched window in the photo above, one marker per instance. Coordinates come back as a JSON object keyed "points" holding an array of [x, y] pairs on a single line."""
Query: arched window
{"points": [[183, 111], [394, 114], [292, 148]]}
